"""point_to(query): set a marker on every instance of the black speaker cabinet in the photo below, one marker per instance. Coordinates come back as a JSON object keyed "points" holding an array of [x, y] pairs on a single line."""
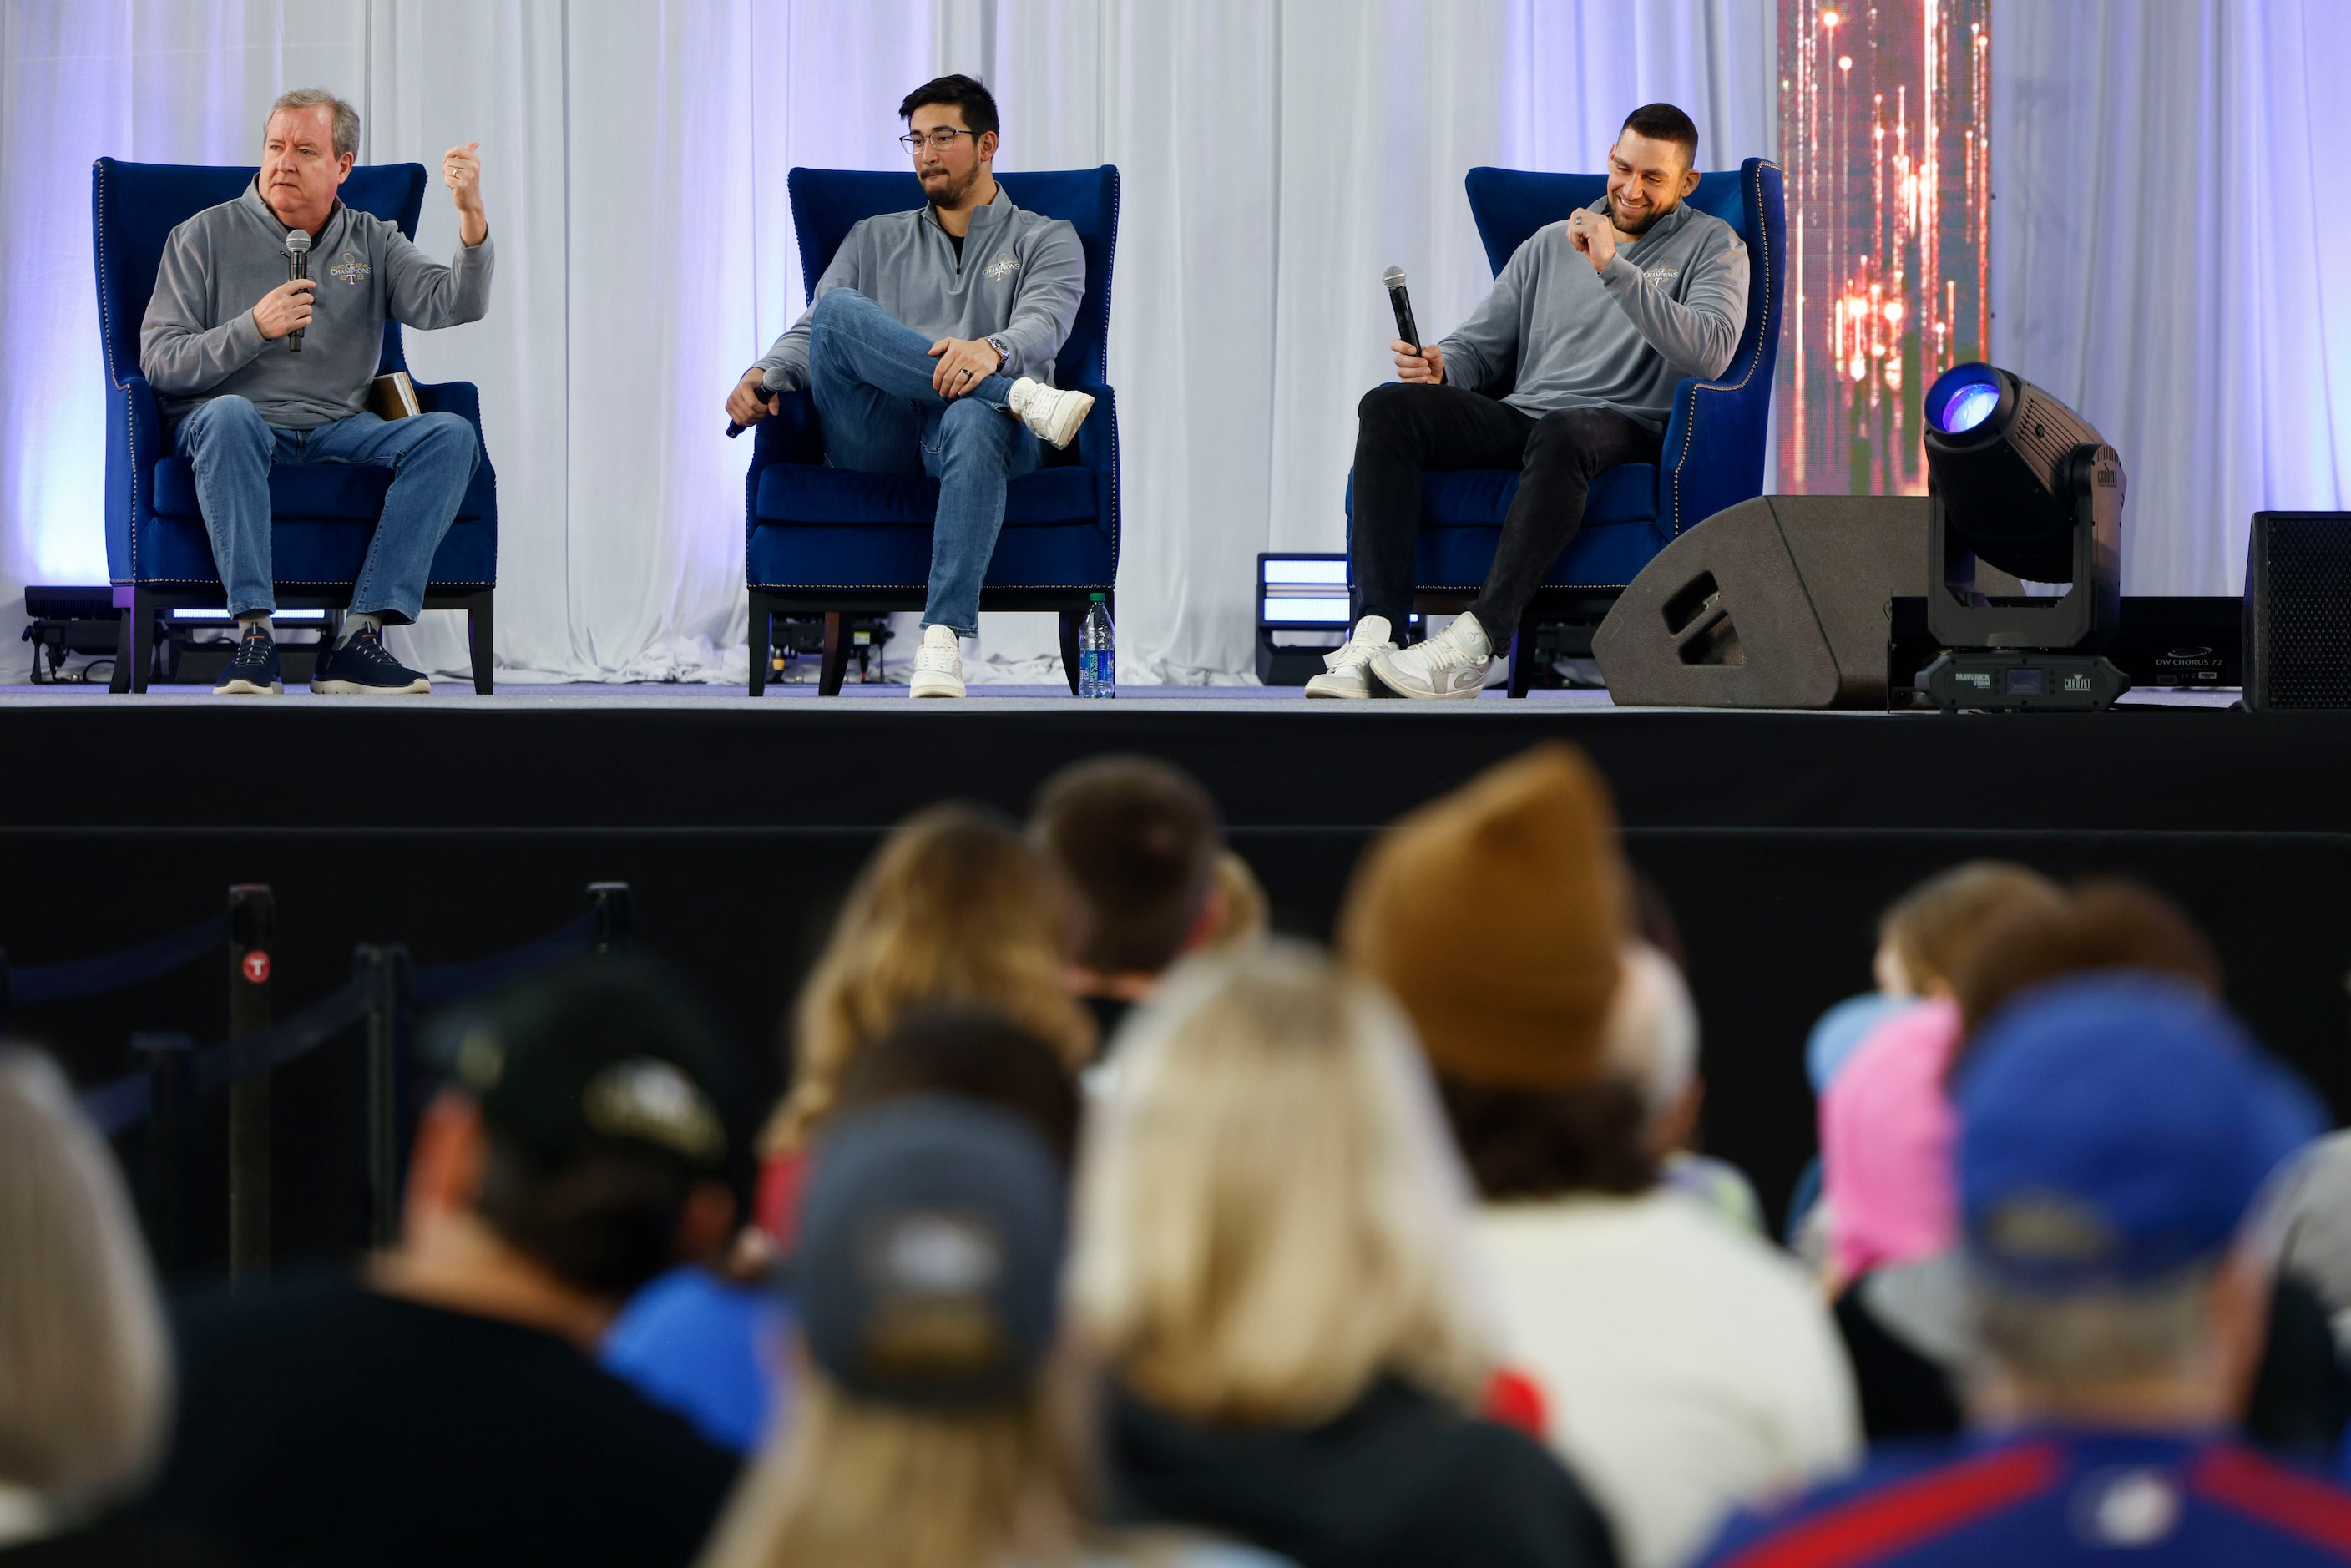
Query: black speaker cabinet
{"points": [[2298, 611], [1781, 602]]}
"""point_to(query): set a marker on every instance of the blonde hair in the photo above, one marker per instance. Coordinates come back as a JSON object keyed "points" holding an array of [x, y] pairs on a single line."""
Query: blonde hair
{"points": [[857, 1484], [1650, 1040], [1244, 918], [1270, 1213], [85, 1368], [1933, 930], [955, 907]]}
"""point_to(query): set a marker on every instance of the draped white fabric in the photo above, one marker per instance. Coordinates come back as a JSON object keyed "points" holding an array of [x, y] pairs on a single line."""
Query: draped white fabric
{"points": [[1277, 154], [2171, 255]]}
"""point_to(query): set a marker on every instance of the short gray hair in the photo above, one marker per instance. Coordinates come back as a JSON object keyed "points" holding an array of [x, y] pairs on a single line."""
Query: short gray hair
{"points": [[347, 119], [85, 1367], [2078, 1343]]}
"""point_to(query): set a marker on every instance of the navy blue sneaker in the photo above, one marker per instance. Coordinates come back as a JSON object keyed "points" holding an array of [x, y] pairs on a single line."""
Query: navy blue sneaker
{"points": [[252, 673], [362, 668]]}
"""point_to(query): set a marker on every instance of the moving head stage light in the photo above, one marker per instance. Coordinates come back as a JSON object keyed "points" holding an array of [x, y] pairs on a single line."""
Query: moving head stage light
{"points": [[2021, 482]]}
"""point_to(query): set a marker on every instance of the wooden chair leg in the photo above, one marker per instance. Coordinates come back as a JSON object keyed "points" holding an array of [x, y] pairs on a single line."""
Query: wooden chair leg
{"points": [[763, 643], [480, 627], [142, 638], [120, 683], [1072, 620], [836, 655]]}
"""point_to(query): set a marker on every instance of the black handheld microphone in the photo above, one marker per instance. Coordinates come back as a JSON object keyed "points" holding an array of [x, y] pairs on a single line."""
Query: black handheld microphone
{"points": [[1394, 279], [766, 392], [298, 265]]}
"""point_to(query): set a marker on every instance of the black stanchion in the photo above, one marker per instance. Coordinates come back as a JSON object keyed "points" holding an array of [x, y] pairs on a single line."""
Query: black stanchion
{"points": [[253, 916], [170, 1062], [616, 917], [383, 975]]}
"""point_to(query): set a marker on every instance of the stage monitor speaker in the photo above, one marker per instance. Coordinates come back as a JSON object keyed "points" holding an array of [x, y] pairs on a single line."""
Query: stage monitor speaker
{"points": [[2298, 611], [1781, 602]]}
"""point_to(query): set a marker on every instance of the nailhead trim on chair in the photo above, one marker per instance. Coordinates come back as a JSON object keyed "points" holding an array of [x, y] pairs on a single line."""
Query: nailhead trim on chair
{"points": [[1689, 421]]}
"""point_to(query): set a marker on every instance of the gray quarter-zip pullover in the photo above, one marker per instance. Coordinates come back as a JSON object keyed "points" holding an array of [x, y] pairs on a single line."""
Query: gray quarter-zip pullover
{"points": [[199, 341], [1671, 304], [1018, 280]]}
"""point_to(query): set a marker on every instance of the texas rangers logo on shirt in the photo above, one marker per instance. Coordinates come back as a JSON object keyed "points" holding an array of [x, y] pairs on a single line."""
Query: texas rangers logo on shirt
{"points": [[1662, 276], [1002, 268], [350, 270]]}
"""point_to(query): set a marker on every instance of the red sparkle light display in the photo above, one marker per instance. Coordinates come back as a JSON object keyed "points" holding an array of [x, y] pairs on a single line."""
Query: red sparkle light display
{"points": [[1884, 109]]}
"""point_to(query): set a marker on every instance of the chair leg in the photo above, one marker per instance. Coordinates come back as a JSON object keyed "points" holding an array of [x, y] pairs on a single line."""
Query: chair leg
{"points": [[1071, 620], [1522, 660], [142, 638], [836, 655], [120, 683], [763, 643], [479, 636]]}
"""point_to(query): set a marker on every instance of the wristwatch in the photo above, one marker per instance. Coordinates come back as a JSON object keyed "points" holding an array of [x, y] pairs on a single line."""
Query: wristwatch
{"points": [[1003, 349]]}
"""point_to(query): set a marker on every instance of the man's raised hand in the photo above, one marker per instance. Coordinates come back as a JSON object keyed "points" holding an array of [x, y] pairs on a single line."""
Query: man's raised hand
{"points": [[963, 364], [1593, 234], [285, 308], [1423, 362], [461, 171], [750, 402]]}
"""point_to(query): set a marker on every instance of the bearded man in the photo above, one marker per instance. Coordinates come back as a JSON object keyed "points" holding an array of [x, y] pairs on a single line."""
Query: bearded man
{"points": [[928, 346], [1567, 369]]}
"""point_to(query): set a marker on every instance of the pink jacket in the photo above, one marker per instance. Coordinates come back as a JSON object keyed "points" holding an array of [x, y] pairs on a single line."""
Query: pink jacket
{"points": [[1886, 1136]]}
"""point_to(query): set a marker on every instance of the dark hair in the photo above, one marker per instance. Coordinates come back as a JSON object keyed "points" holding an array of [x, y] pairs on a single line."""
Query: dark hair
{"points": [[1138, 840], [1664, 123], [968, 94], [977, 1054], [1521, 1143], [605, 1222], [2104, 923]]}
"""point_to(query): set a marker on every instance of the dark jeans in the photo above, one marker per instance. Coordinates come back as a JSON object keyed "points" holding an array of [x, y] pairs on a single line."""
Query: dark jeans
{"points": [[1404, 429]]}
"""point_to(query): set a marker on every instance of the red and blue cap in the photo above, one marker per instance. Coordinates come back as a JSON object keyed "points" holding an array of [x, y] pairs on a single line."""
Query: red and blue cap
{"points": [[2116, 1129]]}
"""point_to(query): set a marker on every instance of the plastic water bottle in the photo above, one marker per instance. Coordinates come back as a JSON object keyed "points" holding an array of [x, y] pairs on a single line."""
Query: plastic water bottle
{"points": [[1097, 664]]}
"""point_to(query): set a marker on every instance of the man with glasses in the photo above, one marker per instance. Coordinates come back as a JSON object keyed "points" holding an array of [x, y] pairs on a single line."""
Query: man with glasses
{"points": [[1567, 369], [928, 346]]}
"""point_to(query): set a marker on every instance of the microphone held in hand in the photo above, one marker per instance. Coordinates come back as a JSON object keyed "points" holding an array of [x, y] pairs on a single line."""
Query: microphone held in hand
{"points": [[767, 394], [298, 265], [1402, 302]]}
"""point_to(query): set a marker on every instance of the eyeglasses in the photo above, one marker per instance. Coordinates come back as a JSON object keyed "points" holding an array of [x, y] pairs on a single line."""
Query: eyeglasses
{"points": [[940, 140]]}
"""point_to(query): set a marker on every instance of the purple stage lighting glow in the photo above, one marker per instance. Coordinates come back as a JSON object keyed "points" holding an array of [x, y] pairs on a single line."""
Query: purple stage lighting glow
{"points": [[1968, 409]]}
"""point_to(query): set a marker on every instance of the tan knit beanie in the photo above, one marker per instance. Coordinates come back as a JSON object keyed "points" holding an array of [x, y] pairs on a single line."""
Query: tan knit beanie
{"points": [[1497, 914]]}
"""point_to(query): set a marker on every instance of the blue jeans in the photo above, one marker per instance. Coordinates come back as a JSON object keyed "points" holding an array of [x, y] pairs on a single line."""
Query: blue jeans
{"points": [[872, 381], [432, 456]]}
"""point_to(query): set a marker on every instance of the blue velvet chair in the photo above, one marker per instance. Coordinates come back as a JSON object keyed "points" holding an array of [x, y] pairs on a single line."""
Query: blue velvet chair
{"points": [[1713, 446], [827, 541], [323, 514]]}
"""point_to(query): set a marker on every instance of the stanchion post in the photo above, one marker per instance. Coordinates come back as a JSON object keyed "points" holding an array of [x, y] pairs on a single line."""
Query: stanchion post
{"points": [[614, 918], [170, 1063], [252, 933], [384, 974]]}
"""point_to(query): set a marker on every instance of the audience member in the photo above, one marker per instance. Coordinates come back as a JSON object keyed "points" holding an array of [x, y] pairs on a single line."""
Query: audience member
{"points": [[441, 1406], [2115, 1131], [1273, 1261], [85, 1365], [954, 909], [939, 1426], [1244, 915], [1564, 1053], [1138, 841], [1885, 1123], [2103, 924]]}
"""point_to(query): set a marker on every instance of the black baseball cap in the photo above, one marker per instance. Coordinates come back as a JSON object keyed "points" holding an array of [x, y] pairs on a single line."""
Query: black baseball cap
{"points": [[607, 1050], [930, 1243]]}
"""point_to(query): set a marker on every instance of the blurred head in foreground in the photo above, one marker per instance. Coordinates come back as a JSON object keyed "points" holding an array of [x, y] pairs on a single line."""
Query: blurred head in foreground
{"points": [[1138, 841], [582, 1144], [85, 1368], [1270, 1216], [2115, 1131], [932, 1431], [954, 909]]}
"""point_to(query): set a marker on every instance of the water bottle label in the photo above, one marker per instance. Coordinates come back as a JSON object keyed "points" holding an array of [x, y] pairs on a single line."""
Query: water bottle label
{"points": [[1090, 665]]}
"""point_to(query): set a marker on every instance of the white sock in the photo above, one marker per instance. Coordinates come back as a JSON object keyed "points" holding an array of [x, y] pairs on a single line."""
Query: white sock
{"points": [[260, 617], [356, 622]]}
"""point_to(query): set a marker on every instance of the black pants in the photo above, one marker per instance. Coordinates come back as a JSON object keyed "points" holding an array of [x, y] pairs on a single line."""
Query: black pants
{"points": [[1403, 428]]}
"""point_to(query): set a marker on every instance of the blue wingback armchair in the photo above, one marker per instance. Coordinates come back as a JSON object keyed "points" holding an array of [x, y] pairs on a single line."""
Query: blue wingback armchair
{"points": [[829, 542], [1713, 448], [323, 514]]}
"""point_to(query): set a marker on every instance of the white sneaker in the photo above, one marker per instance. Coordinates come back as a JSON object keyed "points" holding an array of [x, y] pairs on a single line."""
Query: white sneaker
{"points": [[1453, 663], [1052, 413], [1346, 669], [938, 665]]}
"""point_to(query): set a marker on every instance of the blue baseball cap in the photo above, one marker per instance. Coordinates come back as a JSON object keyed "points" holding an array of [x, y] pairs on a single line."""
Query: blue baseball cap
{"points": [[928, 1271], [2114, 1129]]}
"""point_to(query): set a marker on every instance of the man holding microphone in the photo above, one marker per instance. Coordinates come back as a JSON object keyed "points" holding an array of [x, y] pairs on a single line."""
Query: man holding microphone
{"points": [[253, 369], [1583, 337]]}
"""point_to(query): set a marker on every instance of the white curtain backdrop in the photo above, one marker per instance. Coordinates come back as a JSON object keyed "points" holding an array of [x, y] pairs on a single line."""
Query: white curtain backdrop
{"points": [[1277, 154]]}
